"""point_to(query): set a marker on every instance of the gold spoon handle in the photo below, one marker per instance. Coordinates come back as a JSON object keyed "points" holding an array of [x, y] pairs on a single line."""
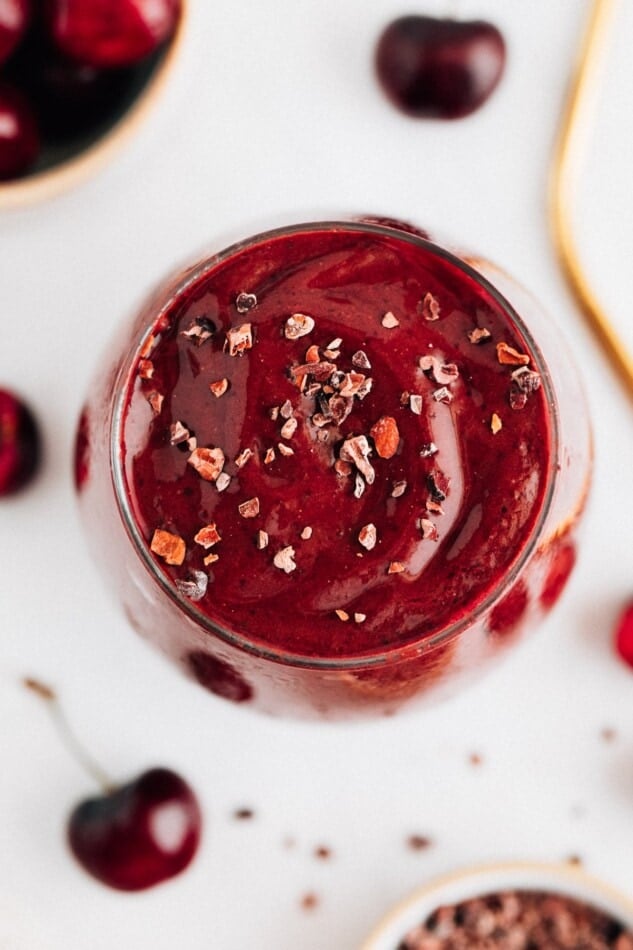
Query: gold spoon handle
{"points": [[568, 161]]}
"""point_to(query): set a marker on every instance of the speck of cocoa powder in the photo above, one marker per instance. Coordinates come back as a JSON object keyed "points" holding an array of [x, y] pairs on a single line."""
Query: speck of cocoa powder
{"points": [[243, 814], [309, 901]]}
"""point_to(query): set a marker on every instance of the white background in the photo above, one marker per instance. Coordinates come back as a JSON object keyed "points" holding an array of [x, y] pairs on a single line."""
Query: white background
{"points": [[273, 114]]}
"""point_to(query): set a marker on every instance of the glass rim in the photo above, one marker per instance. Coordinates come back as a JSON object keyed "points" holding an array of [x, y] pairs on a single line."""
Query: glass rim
{"points": [[398, 652]]}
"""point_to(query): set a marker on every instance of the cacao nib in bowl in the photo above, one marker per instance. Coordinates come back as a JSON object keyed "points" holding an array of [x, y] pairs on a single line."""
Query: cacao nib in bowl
{"points": [[518, 906]]}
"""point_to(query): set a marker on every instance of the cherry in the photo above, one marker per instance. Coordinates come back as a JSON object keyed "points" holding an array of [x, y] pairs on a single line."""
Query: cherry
{"points": [[20, 450], [624, 635], [14, 16], [444, 69], [19, 138], [105, 33], [139, 834], [133, 836]]}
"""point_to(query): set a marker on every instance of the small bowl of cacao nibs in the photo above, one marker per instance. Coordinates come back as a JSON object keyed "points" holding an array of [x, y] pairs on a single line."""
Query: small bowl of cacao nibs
{"points": [[522, 906], [76, 77]]}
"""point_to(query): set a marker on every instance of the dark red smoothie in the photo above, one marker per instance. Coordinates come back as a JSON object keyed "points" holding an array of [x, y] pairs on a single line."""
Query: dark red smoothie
{"points": [[335, 442]]}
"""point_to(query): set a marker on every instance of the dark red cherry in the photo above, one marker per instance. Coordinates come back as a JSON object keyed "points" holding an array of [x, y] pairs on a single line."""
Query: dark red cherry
{"points": [[14, 16], [137, 835], [19, 138], [19, 444], [104, 33], [624, 635], [439, 69]]}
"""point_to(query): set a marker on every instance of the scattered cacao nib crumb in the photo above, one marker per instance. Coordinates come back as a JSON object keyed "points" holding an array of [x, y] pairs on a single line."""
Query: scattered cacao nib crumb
{"points": [[386, 436], [178, 433], [169, 546], [286, 410], [239, 339], [359, 617], [479, 335], [517, 399], [196, 587], [433, 506], [245, 302], [156, 401], [321, 371], [269, 456], [428, 529], [274, 413], [208, 536], [284, 559], [427, 450], [431, 308], [361, 360], [322, 852], [200, 331], [285, 449], [537, 920], [395, 567], [40, 689], [335, 344], [210, 559], [344, 469], [339, 407], [298, 325], [289, 428], [508, 356], [359, 486], [443, 395], [475, 759], [352, 384], [261, 540], [208, 462], [390, 321], [405, 397], [575, 860], [312, 354], [145, 369], [147, 347], [496, 424], [398, 489], [436, 484], [526, 380], [192, 443], [442, 373], [223, 481], [309, 901], [356, 449], [418, 842], [342, 615], [243, 814], [331, 354], [415, 404], [367, 536], [250, 508], [243, 457], [608, 734], [306, 534], [219, 387]]}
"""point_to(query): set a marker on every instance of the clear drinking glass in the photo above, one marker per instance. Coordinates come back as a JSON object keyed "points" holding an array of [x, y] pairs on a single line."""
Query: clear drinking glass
{"points": [[273, 660]]}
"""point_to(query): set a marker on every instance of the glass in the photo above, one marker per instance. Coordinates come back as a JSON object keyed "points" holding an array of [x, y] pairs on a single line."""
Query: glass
{"points": [[483, 590]]}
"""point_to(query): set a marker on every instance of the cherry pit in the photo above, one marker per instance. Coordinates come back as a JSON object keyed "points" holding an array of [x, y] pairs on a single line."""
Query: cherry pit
{"points": [[68, 68]]}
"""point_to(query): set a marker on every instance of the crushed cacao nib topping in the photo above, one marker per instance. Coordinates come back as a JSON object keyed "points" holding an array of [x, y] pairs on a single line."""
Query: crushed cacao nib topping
{"points": [[261, 540], [284, 559], [359, 486], [195, 587], [342, 615], [428, 529], [298, 325], [339, 408], [415, 404], [360, 618], [335, 344], [321, 371], [170, 547], [208, 462], [361, 360], [250, 508], [517, 399], [269, 456], [219, 387], [351, 384], [442, 373], [312, 354], [508, 356], [201, 330], [306, 534], [437, 485], [243, 457], [386, 436], [239, 339], [367, 536], [496, 424], [479, 335], [356, 449], [155, 400], [396, 567], [274, 413], [431, 307], [429, 449], [147, 347], [390, 321], [526, 380], [286, 411], [433, 506], [398, 489], [223, 481], [443, 395], [178, 433], [405, 397], [331, 354], [145, 369], [208, 536], [210, 559], [285, 449], [289, 428], [344, 469], [192, 443], [245, 302]]}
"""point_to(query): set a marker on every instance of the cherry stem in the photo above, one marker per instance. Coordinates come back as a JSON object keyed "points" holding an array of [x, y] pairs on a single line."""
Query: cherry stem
{"points": [[67, 735]]}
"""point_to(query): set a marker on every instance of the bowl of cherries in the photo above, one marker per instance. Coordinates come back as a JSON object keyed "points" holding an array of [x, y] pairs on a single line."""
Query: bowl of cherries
{"points": [[76, 76]]}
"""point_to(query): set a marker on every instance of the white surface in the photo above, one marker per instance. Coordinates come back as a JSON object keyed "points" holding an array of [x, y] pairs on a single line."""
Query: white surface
{"points": [[274, 114]]}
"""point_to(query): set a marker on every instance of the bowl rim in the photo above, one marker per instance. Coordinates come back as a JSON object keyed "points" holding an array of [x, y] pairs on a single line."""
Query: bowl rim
{"points": [[22, 192], [564, 878]]}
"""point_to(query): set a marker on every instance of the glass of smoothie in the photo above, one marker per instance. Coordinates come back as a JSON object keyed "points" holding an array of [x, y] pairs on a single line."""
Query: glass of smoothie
{"points": [[335, 467]]}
